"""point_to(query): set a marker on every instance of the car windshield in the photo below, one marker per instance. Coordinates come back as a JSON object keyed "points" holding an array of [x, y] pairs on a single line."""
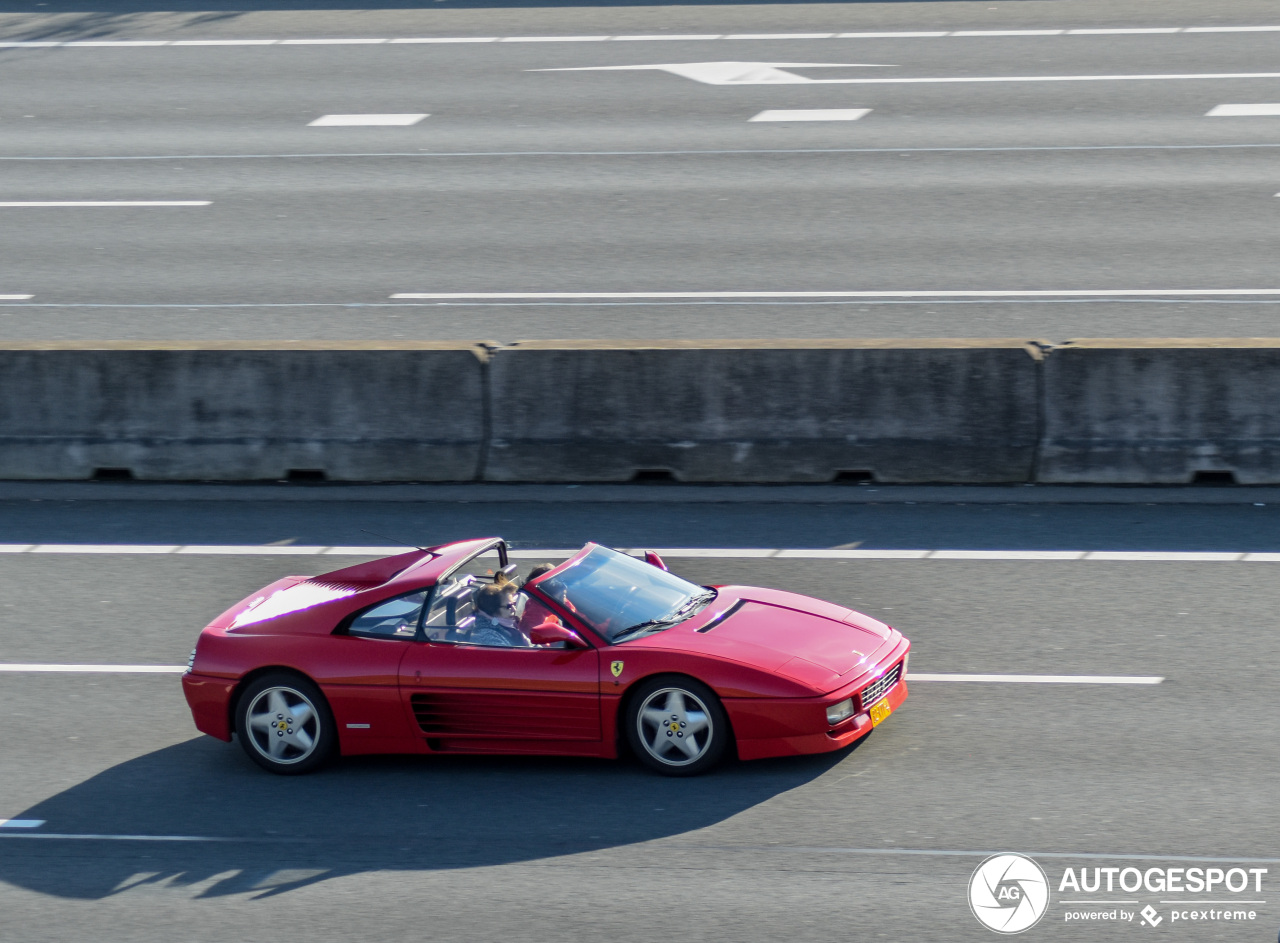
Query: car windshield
{"points": [[621, 597]]}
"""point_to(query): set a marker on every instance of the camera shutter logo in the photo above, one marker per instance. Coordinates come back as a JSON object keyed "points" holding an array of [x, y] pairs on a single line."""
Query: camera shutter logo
{"points": [[1009, 893]]}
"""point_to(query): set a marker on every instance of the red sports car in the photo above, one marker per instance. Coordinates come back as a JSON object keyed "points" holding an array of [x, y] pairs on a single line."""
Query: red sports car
{"points": [[446, 650]]}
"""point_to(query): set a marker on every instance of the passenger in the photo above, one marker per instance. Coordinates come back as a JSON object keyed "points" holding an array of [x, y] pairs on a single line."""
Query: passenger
{"points": [[540, 570], [495, 623], [556, 590]]}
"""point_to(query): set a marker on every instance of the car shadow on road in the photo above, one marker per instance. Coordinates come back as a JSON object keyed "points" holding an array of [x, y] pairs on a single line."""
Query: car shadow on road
{"points": [[203, 818]]}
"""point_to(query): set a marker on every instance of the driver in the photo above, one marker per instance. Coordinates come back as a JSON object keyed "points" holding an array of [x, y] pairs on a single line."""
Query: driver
{"points": [[496, 618]]}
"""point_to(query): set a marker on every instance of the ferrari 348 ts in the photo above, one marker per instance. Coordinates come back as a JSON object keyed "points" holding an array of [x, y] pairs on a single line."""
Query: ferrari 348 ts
{"points": [[446, 650]]}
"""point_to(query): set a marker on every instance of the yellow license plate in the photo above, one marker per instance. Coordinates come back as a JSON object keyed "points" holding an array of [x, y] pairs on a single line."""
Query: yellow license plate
{"points": [[880, 710]]}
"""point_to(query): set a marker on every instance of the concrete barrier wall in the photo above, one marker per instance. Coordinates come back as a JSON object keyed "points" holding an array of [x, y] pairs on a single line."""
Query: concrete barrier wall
{"points": [[1111, 411], [1160, 411], [904, 411], [232, 413]]}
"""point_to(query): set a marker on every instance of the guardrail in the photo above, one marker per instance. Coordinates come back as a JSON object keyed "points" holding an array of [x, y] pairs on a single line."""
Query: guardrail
{"points": [[934, 410]]}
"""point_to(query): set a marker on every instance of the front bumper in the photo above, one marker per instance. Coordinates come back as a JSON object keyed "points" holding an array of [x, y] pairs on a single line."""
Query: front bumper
{"points": [[766, 727]]}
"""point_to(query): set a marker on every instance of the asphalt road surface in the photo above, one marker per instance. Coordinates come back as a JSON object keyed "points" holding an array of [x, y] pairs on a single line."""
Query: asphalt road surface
{"points": [[1040, 186], [194, 843]]}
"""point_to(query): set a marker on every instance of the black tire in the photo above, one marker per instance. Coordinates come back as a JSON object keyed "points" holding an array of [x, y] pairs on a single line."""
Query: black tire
{"points": [[285, 747], [673, 744]]}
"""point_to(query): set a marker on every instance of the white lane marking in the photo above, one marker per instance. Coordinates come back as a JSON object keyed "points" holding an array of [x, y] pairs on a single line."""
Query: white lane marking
{"points": [[604, 295], [108, 548], [774, 73], [332, 42], [267, 551], [14, 204], [675, 37], [224, 42], [852, 554], [684, 38], [21, 823], [91, 837], [1142, 77], [366, 121], [915, 35], [727, 553], [1231, 29], [447, 39], [1008, 32], [1140, 555], [811, 114], [1036, 679], [939, 852], [555, 39], [16, 297], [1243, 111], [733, 73], [1005, 554], [117, 42], [1120, 32], [539, 554], [904, 35], [94, 669], [780, 36]]}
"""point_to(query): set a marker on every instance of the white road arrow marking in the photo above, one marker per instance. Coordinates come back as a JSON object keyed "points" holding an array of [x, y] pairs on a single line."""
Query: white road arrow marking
{"points": [[737, 73]]}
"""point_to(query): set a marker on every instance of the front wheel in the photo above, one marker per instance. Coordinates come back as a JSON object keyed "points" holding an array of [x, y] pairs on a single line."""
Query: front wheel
{"points": [[677, 727], [284, 724]]}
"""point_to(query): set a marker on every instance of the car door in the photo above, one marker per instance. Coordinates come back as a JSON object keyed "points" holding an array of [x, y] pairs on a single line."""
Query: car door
{"points": [[477, 698], [358, 667]]}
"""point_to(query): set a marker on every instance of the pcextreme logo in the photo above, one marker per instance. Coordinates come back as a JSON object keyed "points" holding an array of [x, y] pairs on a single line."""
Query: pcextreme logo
{"points": [[1008, 893]]}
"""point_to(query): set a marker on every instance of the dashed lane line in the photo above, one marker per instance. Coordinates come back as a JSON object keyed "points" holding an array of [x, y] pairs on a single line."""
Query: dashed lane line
{"points": [[63, 204], [1244, 111], [147, 838], [92, 669], [1037, 679], [367, 121], [811, 114], [752, 295], [645, 37]]}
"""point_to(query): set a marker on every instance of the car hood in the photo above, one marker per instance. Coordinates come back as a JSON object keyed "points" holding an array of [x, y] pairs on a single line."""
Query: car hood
{"points": [[814, 642]]}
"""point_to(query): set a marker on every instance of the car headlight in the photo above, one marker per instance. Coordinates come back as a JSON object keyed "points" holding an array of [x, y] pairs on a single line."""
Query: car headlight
{"points": [[841, 711], [905, 658], [191, 662]]}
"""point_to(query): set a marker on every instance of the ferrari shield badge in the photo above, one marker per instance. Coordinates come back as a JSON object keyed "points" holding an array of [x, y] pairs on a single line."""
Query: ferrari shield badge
{"points": [[616, 668]]}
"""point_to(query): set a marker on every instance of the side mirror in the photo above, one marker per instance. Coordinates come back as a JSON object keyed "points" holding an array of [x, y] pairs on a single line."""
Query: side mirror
{"points": [[550, 632], [509, 571], [653, 559]]}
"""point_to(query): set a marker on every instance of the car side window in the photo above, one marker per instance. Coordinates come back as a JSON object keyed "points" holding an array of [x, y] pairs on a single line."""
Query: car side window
{"points": [[392, 618]]}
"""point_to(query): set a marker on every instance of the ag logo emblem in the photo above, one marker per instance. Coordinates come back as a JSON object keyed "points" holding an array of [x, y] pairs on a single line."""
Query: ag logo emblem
{"points": [[615, 667], [1008, 893]]}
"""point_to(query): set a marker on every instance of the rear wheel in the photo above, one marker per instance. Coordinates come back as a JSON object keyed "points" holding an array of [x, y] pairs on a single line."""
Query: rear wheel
{"points": [[676, 726], [284, 724]]}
